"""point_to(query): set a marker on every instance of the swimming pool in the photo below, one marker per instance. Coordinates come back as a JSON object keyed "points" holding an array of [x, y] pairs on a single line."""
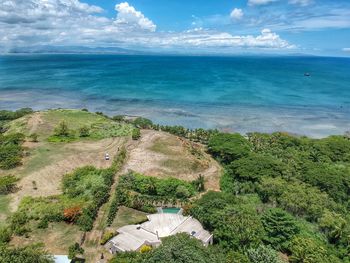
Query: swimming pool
{"points": [[171, 210]]}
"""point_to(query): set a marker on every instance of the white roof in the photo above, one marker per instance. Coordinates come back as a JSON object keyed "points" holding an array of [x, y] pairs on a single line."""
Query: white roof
{"points": [[132, 237]]}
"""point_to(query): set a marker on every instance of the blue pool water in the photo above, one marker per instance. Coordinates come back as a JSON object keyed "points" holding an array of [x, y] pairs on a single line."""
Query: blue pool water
{"points": [[230, 93]]}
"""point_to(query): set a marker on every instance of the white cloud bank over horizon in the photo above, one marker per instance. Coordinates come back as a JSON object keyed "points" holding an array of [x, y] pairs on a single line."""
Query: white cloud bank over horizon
{"points": [[71, 22]]}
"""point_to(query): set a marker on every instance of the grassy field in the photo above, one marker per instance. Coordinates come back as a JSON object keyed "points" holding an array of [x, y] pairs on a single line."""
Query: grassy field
{"points": [[56, 238], [128, 216]]}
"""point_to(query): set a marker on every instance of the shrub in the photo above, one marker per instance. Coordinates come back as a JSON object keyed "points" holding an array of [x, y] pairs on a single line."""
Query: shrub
{"points": [[118, 118], [106, 236], [5, 235], [74, 250], [7, 184], [43, 223], [136, 134], [263, 254], [84, 131], [71, 214], [34, 137], [143, 123], [145, 249], [11, 150], [62, 129]]}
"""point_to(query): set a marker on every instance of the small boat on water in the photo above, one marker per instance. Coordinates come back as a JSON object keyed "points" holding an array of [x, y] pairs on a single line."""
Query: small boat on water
{"points": [[307, 74]]}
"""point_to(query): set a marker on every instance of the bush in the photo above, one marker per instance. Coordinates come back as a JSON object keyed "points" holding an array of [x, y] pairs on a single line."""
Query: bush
{"points": [[11, 150], [136, 134], [263, 254], [62, 129], [84, 131], [74, 250], [118, 118], [143, 123], [106, 236], [5, 235], [43, 223], [28, 254], [145, 249], [7, 184], [34, 137]]}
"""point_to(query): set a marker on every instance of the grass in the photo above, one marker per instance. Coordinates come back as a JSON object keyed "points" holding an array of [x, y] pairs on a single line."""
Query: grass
{"points": [[183, 165], [128, 216], [166, 146], [4, 208], [180, 158], [56, 238]]}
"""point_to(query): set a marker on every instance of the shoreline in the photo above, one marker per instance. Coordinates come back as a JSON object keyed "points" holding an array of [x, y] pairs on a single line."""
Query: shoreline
{"points": [[243, 122]]}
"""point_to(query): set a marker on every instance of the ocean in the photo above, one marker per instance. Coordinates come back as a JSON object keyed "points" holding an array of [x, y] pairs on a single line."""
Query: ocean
{"points": [[237, 94]]}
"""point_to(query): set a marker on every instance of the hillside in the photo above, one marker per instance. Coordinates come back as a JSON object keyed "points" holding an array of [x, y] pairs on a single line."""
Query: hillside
{"points": [[48, 159]]}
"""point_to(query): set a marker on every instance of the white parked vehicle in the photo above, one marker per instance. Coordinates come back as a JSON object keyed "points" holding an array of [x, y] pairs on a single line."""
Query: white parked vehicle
{"points": [[107, 156]]}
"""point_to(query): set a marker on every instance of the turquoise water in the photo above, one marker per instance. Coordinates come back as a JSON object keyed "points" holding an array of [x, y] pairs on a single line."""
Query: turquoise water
{"points": [[171, 210], [230, 93]]}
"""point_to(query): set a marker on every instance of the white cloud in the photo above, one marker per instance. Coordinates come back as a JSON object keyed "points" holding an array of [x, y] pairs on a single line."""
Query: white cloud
{"points": [[127, 14], [236, 14], [346, 49], [301, 2], [260, 2], [73, 23]]}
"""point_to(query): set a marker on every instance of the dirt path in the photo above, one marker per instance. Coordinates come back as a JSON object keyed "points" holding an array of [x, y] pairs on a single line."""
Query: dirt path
{"points": [[34, 121], [48, 178]]}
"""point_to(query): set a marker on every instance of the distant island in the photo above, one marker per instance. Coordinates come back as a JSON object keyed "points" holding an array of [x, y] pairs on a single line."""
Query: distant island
{"points": [[69, 179]]}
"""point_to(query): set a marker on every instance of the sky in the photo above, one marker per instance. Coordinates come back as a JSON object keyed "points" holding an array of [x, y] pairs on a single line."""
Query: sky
{"points": [[319, 27]]}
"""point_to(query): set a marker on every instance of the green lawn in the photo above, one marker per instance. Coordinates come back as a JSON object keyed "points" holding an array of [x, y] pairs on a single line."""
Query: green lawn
{"points": [[128, 216]]}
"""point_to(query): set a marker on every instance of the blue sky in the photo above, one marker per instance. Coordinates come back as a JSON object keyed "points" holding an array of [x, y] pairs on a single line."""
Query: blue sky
{"points": [[185, 26]]}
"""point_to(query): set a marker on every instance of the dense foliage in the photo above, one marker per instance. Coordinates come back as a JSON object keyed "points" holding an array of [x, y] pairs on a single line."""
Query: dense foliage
{"points": [[289, 193], [145, 193], [11, 150], [178, 248], [28, 254]]}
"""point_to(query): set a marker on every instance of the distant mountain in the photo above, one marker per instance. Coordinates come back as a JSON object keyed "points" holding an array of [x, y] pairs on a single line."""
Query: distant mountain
{"points": [[74, 50]]}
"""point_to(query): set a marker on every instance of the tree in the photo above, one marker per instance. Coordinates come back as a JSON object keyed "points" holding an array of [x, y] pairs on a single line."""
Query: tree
{"points": [[28, 254], [228, 147], [334, 226], [280, 228], [182, 192], [72, 214], [74, 250], [238, 230], [199, 183], [182, 248], [62, 129], [263, 254], [255, 166], [84, 131], [307, 250]]}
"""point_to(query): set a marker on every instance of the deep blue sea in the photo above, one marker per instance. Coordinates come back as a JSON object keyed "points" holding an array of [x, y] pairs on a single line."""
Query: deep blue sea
{"points": [[230, 93]]}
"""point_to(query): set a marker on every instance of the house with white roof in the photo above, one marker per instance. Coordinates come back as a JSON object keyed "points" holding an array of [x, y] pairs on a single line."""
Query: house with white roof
{"points": [[133, 237]]}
